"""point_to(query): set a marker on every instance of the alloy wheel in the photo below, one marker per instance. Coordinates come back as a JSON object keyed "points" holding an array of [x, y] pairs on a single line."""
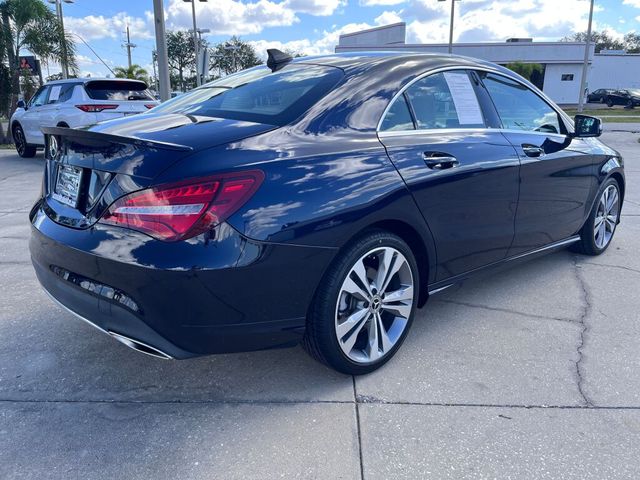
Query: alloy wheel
{"points": [[18, 138], [374, 305], [606, 216]]}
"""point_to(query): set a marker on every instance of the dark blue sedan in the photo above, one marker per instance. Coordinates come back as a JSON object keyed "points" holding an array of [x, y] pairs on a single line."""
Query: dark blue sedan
{"points": [[319, 200]]}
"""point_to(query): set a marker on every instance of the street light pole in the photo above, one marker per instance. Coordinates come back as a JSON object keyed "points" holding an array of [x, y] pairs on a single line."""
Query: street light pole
{"points": [[161, 47], [453, 11], [195, 38], [63, 42], [585, 66]]}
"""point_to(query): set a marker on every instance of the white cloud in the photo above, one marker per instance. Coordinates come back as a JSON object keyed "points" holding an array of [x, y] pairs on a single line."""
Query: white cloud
{"points": [[315, 7], [388, 18], [324, 45], [494, 20], [633, 3], [373, 3], [233, 17], [95, 27]]}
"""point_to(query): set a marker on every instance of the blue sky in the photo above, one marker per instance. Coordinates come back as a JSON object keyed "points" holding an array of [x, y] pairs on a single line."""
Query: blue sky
{"points": [[313, 26]]}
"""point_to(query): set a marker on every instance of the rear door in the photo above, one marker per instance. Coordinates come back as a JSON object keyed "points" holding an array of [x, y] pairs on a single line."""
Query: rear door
{"points": [[557, 171], [463, 174]]}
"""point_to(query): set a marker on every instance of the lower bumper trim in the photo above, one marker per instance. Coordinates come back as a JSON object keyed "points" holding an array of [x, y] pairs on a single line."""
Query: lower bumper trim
{"points": [[136, 345]]}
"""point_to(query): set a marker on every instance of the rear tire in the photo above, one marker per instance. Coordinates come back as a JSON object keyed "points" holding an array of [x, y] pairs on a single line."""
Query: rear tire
{"points": [[597, 233], [22, 147], [609, 102], [356, 327]]}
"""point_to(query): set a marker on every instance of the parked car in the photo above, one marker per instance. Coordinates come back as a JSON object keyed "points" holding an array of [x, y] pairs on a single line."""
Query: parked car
{"points": [[600, 95], [74, 103], [319, 200], [628, 98]]}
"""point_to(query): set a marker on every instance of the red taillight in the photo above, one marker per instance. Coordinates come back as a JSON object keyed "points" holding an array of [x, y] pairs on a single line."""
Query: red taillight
{"points": [[186, 209], [94, 108], [150, 105]]}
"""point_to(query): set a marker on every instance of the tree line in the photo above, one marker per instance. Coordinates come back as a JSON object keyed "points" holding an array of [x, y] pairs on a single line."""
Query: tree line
{"points": [[604, 41]]}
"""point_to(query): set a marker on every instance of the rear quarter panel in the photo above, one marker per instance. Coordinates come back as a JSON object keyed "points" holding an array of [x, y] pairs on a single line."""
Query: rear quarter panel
{"points": [[319, 190]]}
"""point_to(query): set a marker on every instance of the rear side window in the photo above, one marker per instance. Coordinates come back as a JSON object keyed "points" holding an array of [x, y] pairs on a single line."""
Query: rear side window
{"points": [[258, 95], [398, 117], [519, 107], [117, 90], [445, 100]]}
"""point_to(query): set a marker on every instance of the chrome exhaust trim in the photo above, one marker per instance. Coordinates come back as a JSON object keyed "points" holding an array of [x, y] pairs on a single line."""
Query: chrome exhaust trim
{"points": [[139, 346], [136, 345]]}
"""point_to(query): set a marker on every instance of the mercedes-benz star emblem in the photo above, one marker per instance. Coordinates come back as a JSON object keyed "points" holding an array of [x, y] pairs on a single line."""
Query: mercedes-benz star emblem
{"points": [[53, 147]]}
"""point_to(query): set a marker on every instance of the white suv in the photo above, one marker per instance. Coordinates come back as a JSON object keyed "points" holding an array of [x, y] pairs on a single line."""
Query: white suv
{"points": [[76, 103]]}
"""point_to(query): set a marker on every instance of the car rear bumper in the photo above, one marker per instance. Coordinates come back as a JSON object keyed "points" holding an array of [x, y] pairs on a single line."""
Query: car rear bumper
{"points": [[216, 295]]}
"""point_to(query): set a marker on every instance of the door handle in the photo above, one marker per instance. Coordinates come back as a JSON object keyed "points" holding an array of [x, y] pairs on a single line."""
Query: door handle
{"points": [[439, 161], [532, 150]]}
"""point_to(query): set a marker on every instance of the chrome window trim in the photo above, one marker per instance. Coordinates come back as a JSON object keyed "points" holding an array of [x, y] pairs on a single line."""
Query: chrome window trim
{"points": [[563, 116], [447, 131]]}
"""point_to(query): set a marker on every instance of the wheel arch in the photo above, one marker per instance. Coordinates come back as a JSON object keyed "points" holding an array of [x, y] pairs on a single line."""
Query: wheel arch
{"points": [[617, 176], [420, 247]]}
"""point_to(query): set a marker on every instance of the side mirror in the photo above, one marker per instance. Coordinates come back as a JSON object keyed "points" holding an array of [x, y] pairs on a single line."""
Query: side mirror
{"points": [[586, 126], [21, 104]]}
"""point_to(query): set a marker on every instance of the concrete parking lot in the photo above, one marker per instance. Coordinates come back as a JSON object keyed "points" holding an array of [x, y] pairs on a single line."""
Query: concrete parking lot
{"points": [[533, 372]]}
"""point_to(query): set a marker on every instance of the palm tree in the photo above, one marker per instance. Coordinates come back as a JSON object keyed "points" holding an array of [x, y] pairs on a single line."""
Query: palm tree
{"points": [[134, 72], [31, 25]]}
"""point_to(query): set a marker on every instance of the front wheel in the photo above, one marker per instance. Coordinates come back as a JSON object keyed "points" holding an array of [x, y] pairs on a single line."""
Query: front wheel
{"points": [[598, 231], [363, 309], [22, 147], [609, 102]]}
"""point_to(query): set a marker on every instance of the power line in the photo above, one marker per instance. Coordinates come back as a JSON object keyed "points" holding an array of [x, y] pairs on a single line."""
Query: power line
{"points": [[94, 52]]}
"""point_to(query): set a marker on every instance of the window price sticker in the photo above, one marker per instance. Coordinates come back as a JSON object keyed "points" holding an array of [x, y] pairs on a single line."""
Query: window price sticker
{"points": [[464, 98]]}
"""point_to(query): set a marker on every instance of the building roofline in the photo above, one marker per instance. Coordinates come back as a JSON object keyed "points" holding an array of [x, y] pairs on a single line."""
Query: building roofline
{"points": [[374, 29]]}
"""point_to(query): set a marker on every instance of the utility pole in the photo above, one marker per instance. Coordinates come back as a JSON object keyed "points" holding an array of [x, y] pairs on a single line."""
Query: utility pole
{"points": [[453, 11], [161, 47], [585, 66], [195, 38], [154, 58], [129, 46], [63, 43], [234, 49], [201, 51]]}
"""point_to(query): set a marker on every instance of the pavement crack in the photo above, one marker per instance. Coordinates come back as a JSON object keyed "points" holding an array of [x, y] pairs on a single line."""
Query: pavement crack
{"points": [[506, 310], [239, 402], [629, 269], [357, 410], [586, 311]]}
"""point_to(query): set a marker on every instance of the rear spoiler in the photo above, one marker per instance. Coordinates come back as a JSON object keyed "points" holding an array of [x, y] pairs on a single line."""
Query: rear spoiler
{"points": [[96, 139]]}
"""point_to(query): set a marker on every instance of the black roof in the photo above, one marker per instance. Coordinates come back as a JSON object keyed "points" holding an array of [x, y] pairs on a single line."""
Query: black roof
{"points": [[349, 60]]}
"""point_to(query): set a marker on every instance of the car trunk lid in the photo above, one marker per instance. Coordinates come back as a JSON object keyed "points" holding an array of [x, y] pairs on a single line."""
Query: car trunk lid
{"points": [[87, 169]]}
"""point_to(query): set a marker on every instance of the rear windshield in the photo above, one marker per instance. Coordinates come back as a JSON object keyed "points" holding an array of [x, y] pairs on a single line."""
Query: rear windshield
{"points": [[117, 90], [258, 95]]}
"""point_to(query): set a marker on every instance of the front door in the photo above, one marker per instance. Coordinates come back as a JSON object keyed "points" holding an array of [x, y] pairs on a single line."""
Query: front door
{"points": [[463, 175], [557, 174], [30, 121]]}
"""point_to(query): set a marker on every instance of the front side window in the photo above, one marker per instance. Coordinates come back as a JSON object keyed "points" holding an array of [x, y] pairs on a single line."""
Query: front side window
{"points": [[445, 100], [519, 107], [40, 97], [258, 95]]}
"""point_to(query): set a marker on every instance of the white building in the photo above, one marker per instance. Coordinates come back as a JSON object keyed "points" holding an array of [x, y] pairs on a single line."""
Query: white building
{"points": [[562, 61]]}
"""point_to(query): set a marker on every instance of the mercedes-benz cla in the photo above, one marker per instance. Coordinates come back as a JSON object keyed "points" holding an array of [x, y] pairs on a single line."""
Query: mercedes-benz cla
{"points": [[318, 200]]}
